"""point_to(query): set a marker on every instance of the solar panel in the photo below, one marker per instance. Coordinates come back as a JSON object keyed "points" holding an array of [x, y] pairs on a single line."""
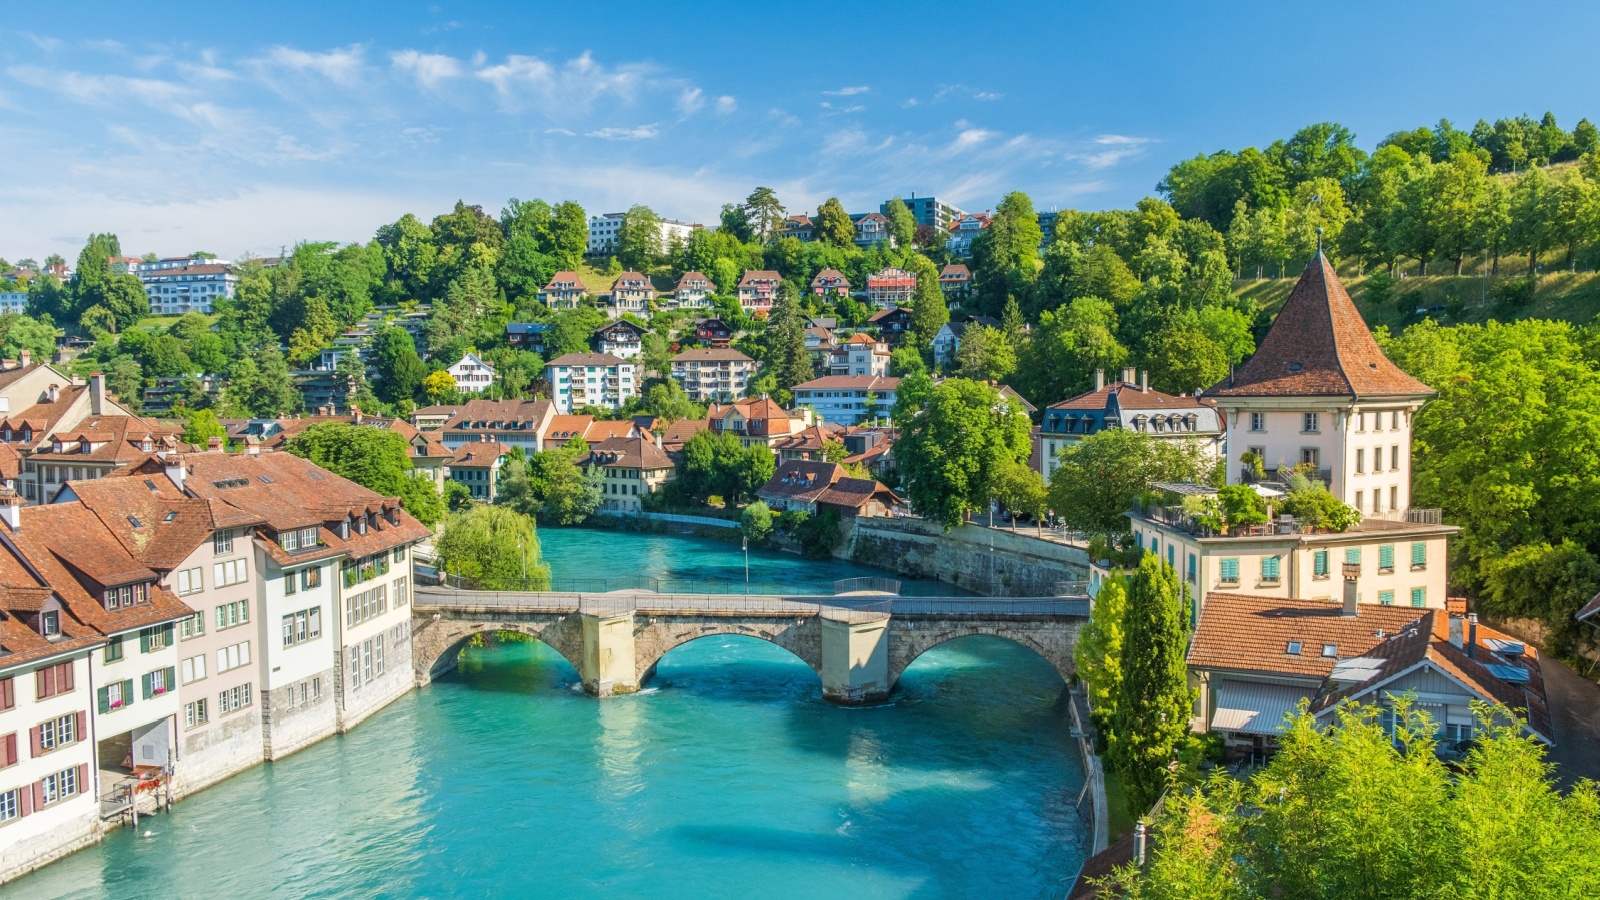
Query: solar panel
{"points": [[1509, 674]]}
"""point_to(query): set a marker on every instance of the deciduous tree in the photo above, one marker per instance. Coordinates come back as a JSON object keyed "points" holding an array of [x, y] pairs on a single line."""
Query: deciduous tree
{"points": [[950, 450]]}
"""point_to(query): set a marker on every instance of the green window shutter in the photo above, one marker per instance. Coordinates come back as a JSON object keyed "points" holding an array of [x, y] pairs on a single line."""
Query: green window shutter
{"points": [[1319, 562], [105, 700], [1269, 568], [145, 678], [172, 678], [144, 641], [1386, 556], [1230, 569], [1419, 596], [1353, 555], [1386, 598], [167, 631], [1419, 554]]}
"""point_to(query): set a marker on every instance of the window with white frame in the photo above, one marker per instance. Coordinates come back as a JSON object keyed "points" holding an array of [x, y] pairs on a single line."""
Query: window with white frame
{"points": [[233, 656], [231, 614], [192, 626], [10, 804], [222, 542], [190, 581], [304, 625], [193, 669], [1309, 422], [60, 785], [1258, 421], [234, 571], [194, 714], [233, 699], [58, 732]]}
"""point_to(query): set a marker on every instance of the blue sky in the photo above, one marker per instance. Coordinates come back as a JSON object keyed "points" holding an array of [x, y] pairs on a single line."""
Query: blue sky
{"points": [[240, 129]]}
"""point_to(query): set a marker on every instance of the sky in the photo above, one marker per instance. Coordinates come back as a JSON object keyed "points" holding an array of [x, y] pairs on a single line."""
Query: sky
{"points": [[245, 128]]}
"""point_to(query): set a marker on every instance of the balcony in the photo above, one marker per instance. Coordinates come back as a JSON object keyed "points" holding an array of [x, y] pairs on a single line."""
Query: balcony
{"points": [[1248, 476]]}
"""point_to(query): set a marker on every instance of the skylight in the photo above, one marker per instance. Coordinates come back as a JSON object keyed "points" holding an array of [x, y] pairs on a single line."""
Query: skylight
{"points": [[1294, 648], [134, 521], [169, 517], [1330, 650]]}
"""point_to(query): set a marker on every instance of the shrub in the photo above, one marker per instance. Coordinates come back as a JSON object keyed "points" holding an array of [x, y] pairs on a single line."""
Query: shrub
{"points": [[756, 522], [1513, 293]]}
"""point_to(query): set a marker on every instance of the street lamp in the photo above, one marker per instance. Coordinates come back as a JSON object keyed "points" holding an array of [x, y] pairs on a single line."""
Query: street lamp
{"points": [[745, 542]]}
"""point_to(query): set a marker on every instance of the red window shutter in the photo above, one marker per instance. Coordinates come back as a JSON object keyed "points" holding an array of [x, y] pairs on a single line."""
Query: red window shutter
{"points": [[83, 778], [41, 683], [81, 730], [38, 795], [8, 750], [25, 795], [8, 696], [38, 746], [67, 675]]}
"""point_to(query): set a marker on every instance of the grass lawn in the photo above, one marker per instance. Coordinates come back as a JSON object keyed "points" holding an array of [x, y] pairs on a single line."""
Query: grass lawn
{"points": [[1119, 820], [152, 323]]}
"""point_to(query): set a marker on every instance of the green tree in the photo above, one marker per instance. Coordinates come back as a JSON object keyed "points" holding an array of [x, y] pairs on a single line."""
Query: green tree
{"points": [[656, 355], [786, 357], [950, 451], [1066, 348], [929, 310], [1100, 476], [669, 402], [259, 385], [902, 224], [21, 332], [1155, 703], [375, 458], [832, 226], [1005, 255], [1020, 489], [400, 370], [985, 354], [1098, 655], [639, 238], [554, 486], [200, 426], [1542, 582], [756, 522], [1181, 358], [125, 381], [495, 549], [1535, 216], [764, 214], [164, 357]]}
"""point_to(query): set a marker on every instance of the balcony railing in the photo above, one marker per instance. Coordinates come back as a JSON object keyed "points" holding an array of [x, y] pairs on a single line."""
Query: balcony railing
{"points": [[1247, 475], [1175, 517]]}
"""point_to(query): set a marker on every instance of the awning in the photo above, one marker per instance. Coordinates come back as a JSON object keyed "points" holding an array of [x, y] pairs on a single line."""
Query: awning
{"points": [[1254, 708]]}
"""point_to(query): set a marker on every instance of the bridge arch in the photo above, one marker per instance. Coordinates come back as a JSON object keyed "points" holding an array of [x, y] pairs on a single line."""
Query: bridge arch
{"points": [[659, 636], [436, 643], [909, 640]]}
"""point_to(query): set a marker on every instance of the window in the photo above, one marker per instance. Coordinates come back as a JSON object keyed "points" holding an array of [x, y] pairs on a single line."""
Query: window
{"points": [[1385, 559], [1419, 556], [1192, 563], [155, 638], [1269, 569], [1394, 497], [193, 626], [1361, 461], [52, 680], [1419, 596], [1360, 499], [1294, 648], [1394, 420], [400, 633], [233, 656], [1330, 650], [1386, 598], [59, 786], [402, 591], [302, 626], [190, 582], [160, 681], [1394, 458], [194, 668], [355, 666], [289, 582], [1352, 555], [57, 732], [8, 693], [1361, 422], [222, 542], [10, 804], [399, 554], [289, 540], [1377, 459], [50, 623], [1310, 422], [1258, 421], [1230, 570], [1311, 456], [1319, 564], [1377, 502], [116, 695], [311, 578], [360, 607], [234, 571], [127, 595], [194, 714], [231, 614], [233, 699]]}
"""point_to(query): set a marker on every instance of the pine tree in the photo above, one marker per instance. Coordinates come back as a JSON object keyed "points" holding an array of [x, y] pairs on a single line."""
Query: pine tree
{"points": [[1155, 704], [787, 358]]}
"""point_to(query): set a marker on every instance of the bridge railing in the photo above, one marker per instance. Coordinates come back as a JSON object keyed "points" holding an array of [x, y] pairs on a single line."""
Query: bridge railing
{"points": [[839, 608], [857, 613], [867, 585]]}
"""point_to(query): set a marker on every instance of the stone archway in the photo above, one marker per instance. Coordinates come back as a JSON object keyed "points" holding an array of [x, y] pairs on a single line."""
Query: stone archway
{"points": [[1051, 640], [656, 636], [435, 643]]}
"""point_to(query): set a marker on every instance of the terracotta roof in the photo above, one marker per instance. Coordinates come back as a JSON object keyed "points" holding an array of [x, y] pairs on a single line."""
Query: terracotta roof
{"points": [[564, 428], [466, 416], [479, 455], [830, 276], [1245, 633], [1130, 397], [20, 638], [955, 272], [813, 481], [586, 359], [850, 383], [627, 452], [154, 521], [752, 275], [10, 462], [1319, 346], [679, 432], [713, 354], [691, 276], [605, 429], [118, 439], [809, 439], [636, 281], [861, 337], [562, 280], [46, 413]]}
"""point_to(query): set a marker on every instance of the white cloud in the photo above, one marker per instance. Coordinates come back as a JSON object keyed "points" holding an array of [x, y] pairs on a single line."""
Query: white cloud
{"points": [[848, 91], [691, 101], [1114, 149], [726, 104], [636, 133], [524, 82], [970, 138], [341, 66], [428, 69]]}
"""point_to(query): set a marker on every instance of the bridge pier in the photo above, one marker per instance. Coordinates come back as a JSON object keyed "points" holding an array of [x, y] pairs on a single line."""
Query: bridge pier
{"points": [[608, 654], [855, 661]]}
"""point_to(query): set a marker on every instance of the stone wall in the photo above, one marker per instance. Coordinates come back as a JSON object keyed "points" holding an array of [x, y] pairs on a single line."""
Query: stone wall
{"points": [[19, 856], [227, 746], [1051, 637], [984, 560], [289, 724], [654, 636], [435, 643]]}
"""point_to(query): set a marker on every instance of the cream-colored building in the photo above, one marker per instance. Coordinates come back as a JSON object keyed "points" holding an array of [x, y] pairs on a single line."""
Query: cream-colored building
{"points": [[633, 468], [1318, 394]]}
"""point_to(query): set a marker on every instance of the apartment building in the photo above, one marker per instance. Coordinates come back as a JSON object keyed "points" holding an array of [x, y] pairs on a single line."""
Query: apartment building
{"points": [[891, 288], [927, 211], [848, 399], [179, 285], [517, 423], [712, 374], [565, 290], [476, 466], [872, 229], [621, 339], [471, 374], [860, 354], [693, 291], [830, 283], [1126, 403], [632, 467], [955, 280], [631, 293], [606, 229], [591, 379]]}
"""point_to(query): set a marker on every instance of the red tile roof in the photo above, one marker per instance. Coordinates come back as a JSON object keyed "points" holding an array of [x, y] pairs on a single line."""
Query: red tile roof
{"points": [[479, 455], [627, 452], [1245, 633], [1319, 346]]}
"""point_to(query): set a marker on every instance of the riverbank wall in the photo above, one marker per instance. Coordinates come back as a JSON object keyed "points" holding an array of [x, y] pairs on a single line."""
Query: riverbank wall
{"points": [[987, 561]]}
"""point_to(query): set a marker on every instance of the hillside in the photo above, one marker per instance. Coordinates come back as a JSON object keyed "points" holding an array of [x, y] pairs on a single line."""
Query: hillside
{"points": [[1451, 299]]}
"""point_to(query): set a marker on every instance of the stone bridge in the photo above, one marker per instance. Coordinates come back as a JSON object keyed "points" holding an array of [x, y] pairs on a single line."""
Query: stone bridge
{"points": [[858, 644]]}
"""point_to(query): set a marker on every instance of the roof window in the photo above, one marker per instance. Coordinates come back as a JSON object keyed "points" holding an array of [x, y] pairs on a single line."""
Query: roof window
{"points": [[1294, 648], [1330, 650]]}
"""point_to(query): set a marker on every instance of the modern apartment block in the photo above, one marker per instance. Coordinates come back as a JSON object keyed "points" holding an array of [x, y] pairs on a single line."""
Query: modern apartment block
{"points": [[927, 211], [712, 374], [183, 284], [606, 229], [590, 379]]}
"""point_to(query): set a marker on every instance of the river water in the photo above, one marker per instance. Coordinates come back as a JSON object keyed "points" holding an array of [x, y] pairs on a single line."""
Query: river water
{"points": [[728, 776]]}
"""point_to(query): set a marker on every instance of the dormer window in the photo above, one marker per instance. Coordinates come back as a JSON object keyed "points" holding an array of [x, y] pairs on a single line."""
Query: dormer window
{"points": [[344, 529], [147, 445], [361, 525], [125, 596], [85, 447], [50, 623], [55, 446], [27, 434]]}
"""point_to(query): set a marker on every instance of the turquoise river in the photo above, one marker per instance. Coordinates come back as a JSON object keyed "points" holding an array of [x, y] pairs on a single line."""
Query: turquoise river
{"points": [[728, 776]]}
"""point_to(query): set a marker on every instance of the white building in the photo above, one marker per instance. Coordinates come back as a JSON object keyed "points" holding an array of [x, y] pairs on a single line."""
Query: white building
{"points": [[848, 399], [590, 379], [621, 339], [1127, 404], [605, 229], [631, 293], [472, 374], [713, 374], [180, 285], [693, 291]]}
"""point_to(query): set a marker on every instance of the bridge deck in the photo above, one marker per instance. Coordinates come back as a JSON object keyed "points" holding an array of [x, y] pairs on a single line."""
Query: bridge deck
{"points": [[434, 599]]}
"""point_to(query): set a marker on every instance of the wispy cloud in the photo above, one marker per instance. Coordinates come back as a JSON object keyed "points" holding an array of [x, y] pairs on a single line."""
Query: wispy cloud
{"points": [[960, 91], [1109, 150], [691, 100], [635, 133], [848, 91], [726, 105], [340, 66], [429, 70], [528, 82]]}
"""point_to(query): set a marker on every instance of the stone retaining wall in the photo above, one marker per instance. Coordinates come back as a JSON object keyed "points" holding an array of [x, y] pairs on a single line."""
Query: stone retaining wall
{"points": [[984, 560]]}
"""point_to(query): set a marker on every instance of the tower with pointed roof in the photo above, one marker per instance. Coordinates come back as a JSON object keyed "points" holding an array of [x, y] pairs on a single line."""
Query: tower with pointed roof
{"points": [[1320, 393]]}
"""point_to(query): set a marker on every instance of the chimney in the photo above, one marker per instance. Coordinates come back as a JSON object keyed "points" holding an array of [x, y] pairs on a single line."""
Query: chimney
{"points": [[55, 392], [25, 357], [1099, 379], [356, 412], [1144, 382], [1351, 571], [174, 469], [252, 445], [1472, 635], [11, 504], [213, 443], [97, 394]]}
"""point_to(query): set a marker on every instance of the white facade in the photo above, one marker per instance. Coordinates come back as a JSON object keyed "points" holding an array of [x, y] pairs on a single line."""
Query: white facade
{"points": [[1363, 448], [848, 399], [604, 230], [182, 285], [471, 374], [32, 834], [591, 379], [298, 668], [371, 633]]}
